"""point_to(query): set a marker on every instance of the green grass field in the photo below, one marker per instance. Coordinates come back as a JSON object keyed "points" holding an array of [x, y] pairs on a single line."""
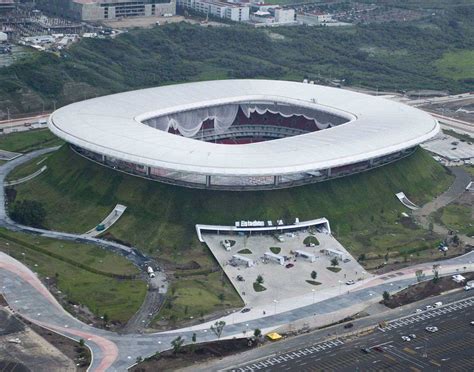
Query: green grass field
{"points": [[28, 141], [27, 168], [457, 65], [195, 296], [457, 217], [102, 294], [160, 219], [362, 209]]}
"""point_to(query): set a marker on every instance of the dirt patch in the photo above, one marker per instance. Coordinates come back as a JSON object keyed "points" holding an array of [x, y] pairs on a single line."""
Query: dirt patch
{"points": [[424, 290], [167, 361], [110, 237], [70, 348], [408, 223], [3, 302]]}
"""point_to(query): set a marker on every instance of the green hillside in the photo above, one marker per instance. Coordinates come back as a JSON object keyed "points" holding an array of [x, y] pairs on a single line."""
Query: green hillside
{"points": [[396, 56], [362, 209]]}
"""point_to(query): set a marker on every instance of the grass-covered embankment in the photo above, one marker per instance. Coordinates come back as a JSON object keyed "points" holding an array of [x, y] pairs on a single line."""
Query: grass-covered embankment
{"points": [[28, 141], [85, 274], [363, 211], [160, 219]]}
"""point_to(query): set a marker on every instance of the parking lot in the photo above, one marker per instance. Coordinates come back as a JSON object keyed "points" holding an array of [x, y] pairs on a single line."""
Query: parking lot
{"points": [[287, 280], [449, 348]]}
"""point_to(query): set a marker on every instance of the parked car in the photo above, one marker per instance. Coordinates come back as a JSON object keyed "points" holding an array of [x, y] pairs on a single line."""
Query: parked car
{"points": [[365, 350], [406, 338], [428, 307], [438, 304], [346, 260], [472, 323], [412, 336], [378, 348], [289, 266], [348, 325], [350, 282], [245, 310], [432, 329], [418, 311]]}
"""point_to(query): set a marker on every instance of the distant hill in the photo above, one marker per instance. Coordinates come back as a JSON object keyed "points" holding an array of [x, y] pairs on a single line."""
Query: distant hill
{"points": [[395, 56]]}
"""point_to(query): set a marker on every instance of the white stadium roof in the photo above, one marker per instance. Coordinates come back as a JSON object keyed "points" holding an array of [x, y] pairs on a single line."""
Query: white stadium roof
{"points": [[111, 125]]}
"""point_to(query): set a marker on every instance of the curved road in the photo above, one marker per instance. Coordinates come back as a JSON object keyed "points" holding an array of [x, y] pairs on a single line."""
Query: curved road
{"points": [[458, 187], [27, 296]]}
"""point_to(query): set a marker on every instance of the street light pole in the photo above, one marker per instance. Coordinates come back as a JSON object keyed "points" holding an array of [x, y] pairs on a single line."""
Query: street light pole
{"points": [[314, 291], [275, 308]]}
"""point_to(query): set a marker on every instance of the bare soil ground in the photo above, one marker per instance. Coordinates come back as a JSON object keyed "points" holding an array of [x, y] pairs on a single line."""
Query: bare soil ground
{"points": [[424, 290], [167, 361], [38, 345]]}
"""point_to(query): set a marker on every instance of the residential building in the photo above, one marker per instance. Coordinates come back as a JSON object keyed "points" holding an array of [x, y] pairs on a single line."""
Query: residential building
{"points": [[220, 9]]}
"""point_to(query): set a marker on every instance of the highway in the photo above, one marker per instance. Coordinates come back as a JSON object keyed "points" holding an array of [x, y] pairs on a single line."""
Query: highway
{"points": [[450, 348]]}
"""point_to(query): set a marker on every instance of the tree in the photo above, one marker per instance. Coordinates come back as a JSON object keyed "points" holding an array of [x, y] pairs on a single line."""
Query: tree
{"points": [[259, 279], [314, 275], [430, 227], [361, 257], [217, 328], [221, 297], [386, 296], [29, 212], [82, 342], [435, 273], [419, 275], [456, 240], [334, 261], [139, 359], [106, 318], [257, 333], [177, 344], [193, 339]]}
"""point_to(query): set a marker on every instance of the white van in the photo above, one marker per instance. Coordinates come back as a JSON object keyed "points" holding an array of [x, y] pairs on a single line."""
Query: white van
{"points": [[438, 304]]}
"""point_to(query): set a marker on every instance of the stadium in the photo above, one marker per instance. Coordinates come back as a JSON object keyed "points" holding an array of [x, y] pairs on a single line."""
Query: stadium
{"points": [[242, 134]]}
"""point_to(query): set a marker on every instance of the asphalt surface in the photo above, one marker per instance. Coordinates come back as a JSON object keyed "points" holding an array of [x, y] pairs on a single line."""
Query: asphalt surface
{"points": [[450, 348], [111, 351]]}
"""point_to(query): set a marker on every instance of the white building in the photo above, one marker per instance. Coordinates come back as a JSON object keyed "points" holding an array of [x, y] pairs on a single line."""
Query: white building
{"points": [[94, 10], [284, 15], [231, 11]]}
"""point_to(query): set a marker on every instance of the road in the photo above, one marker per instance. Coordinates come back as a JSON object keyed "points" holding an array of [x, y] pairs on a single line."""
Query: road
{"points": [[450, 348], [458, 187], [111, 351]]}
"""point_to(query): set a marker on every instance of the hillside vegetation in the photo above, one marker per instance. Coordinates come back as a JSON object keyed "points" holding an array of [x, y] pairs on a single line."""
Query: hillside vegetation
{"points": [[160, 219], [183, 52]]}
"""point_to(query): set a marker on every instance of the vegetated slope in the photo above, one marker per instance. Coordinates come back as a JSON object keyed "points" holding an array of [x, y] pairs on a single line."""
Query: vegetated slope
{"points": [[160, 219], [85, 274], [183, 52]]}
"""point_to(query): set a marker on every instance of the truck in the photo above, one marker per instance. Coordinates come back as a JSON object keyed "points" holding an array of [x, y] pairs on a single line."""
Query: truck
{"points": [[150, 272], [469, 285]]}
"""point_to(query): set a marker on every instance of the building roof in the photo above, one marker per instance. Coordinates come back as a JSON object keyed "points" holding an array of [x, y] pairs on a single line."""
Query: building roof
{"points": [[111, 125]]}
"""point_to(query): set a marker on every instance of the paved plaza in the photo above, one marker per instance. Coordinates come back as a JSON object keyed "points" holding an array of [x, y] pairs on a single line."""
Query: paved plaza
{"points": [[282, 282]]}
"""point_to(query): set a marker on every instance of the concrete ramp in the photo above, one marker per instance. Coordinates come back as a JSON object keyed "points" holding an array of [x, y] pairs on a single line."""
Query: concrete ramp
{"points": [[406, 202], [107, 222]]}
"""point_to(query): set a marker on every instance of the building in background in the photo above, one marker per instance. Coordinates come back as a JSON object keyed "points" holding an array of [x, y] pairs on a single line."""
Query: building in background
{"points": [[7, 5], [98, 10], [232, 11]]}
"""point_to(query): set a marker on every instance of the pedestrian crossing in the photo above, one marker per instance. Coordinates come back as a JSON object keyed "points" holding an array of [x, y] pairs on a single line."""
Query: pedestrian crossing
{"points": [[273, 361], [428, 314]]}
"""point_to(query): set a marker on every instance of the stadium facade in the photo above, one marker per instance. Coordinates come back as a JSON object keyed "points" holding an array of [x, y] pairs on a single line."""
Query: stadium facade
{"points": [[242, 134]]}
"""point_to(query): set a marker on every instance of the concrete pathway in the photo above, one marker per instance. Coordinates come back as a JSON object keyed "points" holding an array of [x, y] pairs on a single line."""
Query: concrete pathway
{"points": [[27, 178], [111, 351], [422, 215], [108, 221]]}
